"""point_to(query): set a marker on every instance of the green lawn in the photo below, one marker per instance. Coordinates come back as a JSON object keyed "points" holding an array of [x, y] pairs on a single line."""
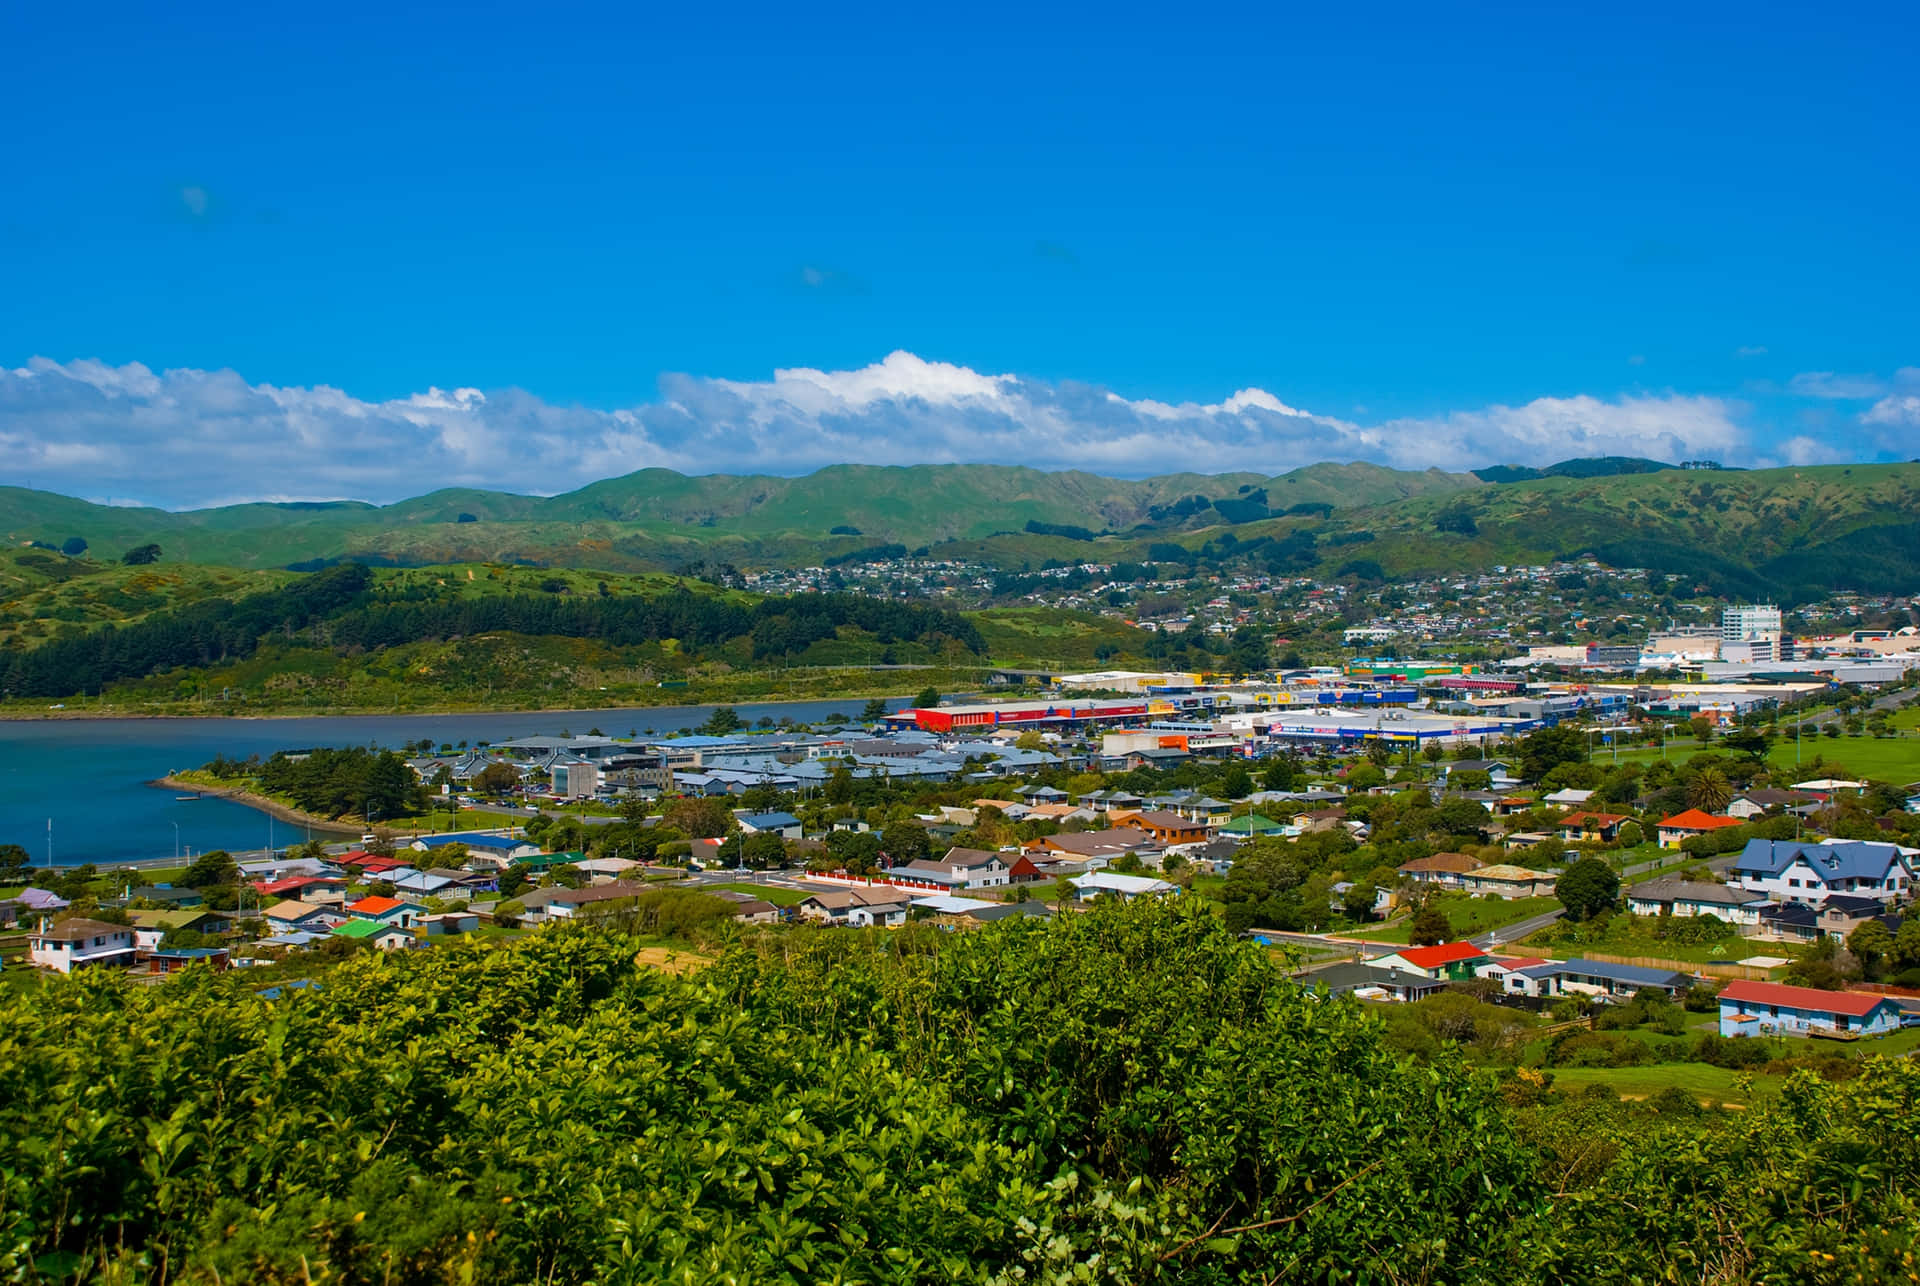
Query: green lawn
{"points": [[773, 893], [1629, 936], [1889, 759], [1469, 916]]}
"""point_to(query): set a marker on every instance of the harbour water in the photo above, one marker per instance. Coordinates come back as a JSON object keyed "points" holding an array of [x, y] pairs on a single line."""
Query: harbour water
{"points": [[76, 790]]}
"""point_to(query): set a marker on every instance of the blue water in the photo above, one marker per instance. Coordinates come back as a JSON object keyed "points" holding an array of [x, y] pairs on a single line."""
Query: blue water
{"points": [[88, 777]]}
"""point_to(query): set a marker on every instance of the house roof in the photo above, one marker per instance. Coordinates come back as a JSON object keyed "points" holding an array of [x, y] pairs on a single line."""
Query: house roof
{"points": [[1632, 974], [1508, 871], [1597, 819], [1453, 863], [78, 928], [1088, 843], [377, 905], [1170, 821], [877, 895], [769, 821], [1696, 820], [1445, 953], [291, 910], [1108, 881], [1677, 890], [1840, 860], [1354, 976], [365, 929], [968, 858], [1854, 1004]]}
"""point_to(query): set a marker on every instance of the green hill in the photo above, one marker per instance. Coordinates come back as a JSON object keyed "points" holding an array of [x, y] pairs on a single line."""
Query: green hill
{"points": [[657, 519], [1786, 532]]}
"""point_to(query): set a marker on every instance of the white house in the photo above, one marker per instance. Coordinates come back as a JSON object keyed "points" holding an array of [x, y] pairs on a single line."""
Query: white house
{"points": [[1790, 871], [860, 908], [78, 943], [1127, 887], [1683, 899]]}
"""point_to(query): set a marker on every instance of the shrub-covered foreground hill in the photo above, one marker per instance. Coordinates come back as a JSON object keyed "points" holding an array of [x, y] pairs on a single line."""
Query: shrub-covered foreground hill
{"points": [[1131, 1095]]}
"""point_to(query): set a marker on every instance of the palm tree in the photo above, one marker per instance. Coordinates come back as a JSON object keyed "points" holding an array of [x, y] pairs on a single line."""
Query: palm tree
{"points": [[1710, 791]]}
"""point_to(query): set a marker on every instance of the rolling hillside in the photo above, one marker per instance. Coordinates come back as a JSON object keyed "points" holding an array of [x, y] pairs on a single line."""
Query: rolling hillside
{"points": [[660, 519], [1792, 533]]}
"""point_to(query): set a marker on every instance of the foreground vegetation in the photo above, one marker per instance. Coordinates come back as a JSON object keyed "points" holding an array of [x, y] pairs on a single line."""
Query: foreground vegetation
{"points": [[1129, 1095]]}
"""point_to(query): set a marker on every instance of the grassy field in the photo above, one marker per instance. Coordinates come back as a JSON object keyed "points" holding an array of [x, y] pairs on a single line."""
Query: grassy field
{"points": [[773, 893], [1469, 916], [1888, 759]]}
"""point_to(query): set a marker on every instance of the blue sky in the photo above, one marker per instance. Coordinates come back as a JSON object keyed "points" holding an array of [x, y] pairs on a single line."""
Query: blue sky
{"points": [[1401, 219]]}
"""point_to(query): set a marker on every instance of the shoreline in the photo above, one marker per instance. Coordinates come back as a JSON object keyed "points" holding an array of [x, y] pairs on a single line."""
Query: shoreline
{"points": [[259, 803]]}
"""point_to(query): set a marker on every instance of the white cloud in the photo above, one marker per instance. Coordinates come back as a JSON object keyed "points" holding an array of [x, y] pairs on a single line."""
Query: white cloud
{"points": [[188, 437], [1901, 410], [1828, 384], [1750, 350]]}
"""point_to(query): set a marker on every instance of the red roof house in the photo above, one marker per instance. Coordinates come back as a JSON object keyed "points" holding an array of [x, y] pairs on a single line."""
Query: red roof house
{"points": [[1672, 830], [1447, 960]]}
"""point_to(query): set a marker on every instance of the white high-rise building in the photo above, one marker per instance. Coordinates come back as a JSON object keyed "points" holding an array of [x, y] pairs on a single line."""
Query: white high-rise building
{"points": [[1738, 624]]}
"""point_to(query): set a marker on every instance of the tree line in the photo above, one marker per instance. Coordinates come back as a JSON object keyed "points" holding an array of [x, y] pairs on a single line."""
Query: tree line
{"points": [[334, 608]]}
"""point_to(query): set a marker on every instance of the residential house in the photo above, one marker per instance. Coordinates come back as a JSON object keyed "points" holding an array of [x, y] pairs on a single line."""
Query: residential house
{"points": [[1584, 825], [1672, 831], [149, 927], [449, 924], [1107, 844], [785, 825], [1789, 922], [1032, 795], [34, 899], [1096, 884], [299, 888], [1165, 827], [1448, 960], [748, 909], [1842, 913], [1568, 798], [567, 904], [1508, 882], [878, 904], [1684, 899], [1809, 873], [169, 960], [1499, 771], [425, 884], [486, 843], [1598, 978], [1369, 980], [80, 943], [301, 917], [961, 868], [1202, 808], [379, 934], [167, 895], [1446, 870], [1252, 826], [1749, 804], [1768, 1008], [1500, 968], [385, 910]]}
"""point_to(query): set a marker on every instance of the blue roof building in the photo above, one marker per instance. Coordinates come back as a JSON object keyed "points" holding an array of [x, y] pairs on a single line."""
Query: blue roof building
{"points": [[1792, 871]]}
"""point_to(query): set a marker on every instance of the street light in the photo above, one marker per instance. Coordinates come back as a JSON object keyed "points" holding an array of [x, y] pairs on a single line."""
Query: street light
{"points": [[176, 841]]}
